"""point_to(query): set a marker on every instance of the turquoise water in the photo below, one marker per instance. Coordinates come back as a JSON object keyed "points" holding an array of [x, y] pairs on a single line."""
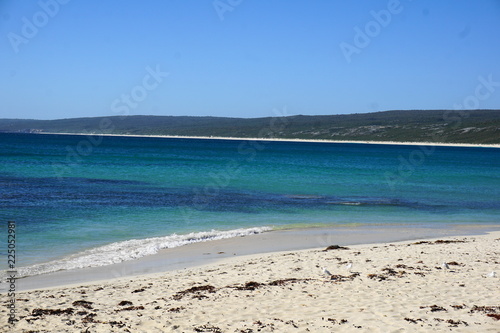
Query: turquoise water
{"points": [[79, 201]]}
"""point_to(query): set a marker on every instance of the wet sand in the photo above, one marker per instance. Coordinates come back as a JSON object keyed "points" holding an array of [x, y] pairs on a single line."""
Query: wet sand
{"points": [[203, 253]]}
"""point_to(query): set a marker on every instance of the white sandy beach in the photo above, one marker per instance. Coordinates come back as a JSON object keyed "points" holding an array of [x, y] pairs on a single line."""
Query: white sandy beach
{"points": [[290, 140], [391, 287]]}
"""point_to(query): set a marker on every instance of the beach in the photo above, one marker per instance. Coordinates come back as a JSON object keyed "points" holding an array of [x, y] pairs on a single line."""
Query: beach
{"points": [[383, 287], [244, 167], [275, 139]]}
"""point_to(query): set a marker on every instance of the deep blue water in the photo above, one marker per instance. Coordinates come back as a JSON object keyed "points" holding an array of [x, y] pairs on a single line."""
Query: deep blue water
{"points": [[70, 194]]}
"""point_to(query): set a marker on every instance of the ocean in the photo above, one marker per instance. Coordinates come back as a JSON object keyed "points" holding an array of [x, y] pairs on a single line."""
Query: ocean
{"points": [[86, 201]]}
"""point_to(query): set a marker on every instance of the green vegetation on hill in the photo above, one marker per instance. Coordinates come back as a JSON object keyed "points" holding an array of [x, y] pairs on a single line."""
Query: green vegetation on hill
{"points": [[451, 126]]}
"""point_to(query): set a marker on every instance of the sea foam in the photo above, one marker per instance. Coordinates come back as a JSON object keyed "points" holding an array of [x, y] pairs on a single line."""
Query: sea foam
{"points": [[131, 249]]}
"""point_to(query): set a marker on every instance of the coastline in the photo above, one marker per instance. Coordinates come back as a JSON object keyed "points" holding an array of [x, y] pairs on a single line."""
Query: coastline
{"points": [[439, 144], [390, 287], [275, 281], [205, 253]]}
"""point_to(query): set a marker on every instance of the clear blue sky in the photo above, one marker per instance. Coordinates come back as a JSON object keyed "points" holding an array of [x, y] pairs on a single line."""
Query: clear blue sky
{"points": [[245, 58]]}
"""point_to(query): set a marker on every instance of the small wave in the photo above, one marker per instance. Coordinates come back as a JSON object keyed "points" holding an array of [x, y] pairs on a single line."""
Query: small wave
{"points": [[367, 202], [132, 249], [346, 203]]}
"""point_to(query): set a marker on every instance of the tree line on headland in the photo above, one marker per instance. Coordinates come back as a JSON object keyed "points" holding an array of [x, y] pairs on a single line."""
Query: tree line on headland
{"points": [[447, 126]]}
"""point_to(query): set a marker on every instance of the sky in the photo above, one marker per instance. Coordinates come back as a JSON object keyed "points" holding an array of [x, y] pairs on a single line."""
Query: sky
{"points": [[246, 58]]}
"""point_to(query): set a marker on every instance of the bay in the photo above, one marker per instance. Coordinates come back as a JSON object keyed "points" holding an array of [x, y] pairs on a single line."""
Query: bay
{"points": [[94, 200]]}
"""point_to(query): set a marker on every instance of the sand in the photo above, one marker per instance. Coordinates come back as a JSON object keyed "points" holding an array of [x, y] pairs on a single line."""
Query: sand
{"points": [[201, 253], [391, 287]]}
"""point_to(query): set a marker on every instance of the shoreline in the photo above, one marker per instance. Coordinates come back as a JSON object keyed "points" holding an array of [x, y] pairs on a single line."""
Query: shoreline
{"points": [[439, 144], [201, 254], [380, 287]]}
